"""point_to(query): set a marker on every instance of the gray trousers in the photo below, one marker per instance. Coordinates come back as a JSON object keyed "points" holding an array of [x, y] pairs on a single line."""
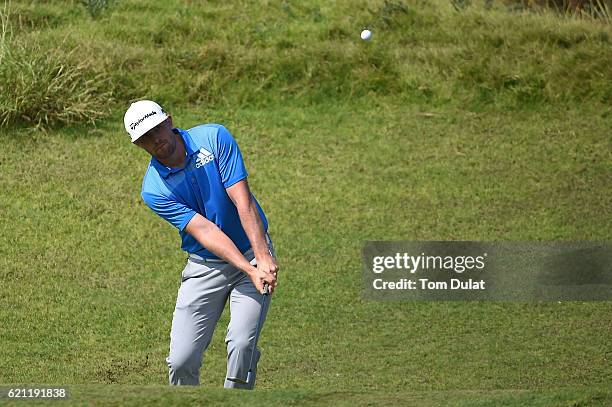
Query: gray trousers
{"points": [[205, 287]]}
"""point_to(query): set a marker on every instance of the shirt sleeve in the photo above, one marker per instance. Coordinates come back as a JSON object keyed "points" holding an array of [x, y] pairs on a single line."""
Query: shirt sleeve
{"points": [[176, 213], [231, 164]]}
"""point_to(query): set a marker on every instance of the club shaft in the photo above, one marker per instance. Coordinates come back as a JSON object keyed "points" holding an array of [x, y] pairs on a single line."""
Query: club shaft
{"points": [[258, 331]]}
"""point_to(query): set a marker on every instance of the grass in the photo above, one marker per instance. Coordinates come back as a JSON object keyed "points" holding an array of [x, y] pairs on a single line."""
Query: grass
{"points": [[84, 244], [157, 395], [353, 152], [243, 55], [40, 87]]}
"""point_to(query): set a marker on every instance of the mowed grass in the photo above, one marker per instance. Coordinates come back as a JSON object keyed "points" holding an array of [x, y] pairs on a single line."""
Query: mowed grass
{"points": [[90, 274], [130, 395], [482, 125]]}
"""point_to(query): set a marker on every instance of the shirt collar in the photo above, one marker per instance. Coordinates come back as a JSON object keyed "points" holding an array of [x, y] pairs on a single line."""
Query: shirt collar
{"points": [[190, 148]]}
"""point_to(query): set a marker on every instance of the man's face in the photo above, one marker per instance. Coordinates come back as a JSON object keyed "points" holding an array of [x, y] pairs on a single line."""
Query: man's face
{"points": [[160, 141]]}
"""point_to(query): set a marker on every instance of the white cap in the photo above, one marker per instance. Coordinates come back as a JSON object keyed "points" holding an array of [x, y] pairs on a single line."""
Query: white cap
{"points": [[141, 117]]}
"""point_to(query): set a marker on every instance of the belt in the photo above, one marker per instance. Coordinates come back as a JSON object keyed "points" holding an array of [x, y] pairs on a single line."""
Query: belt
{"points": [[199, 259]]}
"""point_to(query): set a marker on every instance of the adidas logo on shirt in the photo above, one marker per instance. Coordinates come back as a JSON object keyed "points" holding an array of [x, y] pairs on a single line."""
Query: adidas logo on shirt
{"points": [[204, 157]]}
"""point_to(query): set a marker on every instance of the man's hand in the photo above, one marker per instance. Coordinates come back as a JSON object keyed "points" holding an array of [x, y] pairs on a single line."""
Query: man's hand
{"points": [[267, 264], [259, 277]]}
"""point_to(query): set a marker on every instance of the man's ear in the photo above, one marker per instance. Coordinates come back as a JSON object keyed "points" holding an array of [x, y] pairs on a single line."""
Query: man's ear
{"points": [[170, 121]]}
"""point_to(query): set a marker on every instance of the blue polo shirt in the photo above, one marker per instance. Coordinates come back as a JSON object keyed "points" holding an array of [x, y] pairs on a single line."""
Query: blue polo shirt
{"points": [[213, 163]]}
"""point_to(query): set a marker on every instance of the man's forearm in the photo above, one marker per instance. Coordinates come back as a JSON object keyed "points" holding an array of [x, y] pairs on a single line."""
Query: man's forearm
{"points": [[250, 220], [253, 227], [217, 242]]}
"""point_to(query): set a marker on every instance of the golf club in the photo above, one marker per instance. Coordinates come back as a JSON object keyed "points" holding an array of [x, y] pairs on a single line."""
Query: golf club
{"points": [[257, 332]]}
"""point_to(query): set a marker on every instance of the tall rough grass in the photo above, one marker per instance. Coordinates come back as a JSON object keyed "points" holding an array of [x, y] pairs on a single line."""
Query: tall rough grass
{"points": [[44, 87], [419, 54], [306, 52], [599, 10], [95, 7]]}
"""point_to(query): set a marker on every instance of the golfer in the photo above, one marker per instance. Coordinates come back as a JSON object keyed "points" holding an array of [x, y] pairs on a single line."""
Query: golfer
{"points": [[197, 181]]}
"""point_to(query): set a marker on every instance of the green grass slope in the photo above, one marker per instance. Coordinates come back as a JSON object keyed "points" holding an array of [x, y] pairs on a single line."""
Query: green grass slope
{"points": [[415, 135]]}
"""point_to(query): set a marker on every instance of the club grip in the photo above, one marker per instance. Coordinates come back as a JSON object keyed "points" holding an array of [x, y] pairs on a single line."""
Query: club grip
{"points": [[266, 289]]}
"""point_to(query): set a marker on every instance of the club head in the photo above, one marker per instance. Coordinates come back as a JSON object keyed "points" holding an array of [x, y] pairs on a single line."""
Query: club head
{"points": [[238, 380], [241, 381]]}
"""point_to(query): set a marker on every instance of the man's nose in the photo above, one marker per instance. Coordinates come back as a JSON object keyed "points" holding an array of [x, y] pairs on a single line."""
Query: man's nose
{"points": [[158, 137]]}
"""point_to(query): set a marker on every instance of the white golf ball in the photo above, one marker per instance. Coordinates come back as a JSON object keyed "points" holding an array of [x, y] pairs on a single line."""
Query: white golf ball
{"points": [[366, 34]]}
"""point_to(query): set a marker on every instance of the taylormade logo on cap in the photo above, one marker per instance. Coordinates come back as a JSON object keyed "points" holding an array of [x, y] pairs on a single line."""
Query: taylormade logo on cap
{"points": [[141, 117], [133, 125]]}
